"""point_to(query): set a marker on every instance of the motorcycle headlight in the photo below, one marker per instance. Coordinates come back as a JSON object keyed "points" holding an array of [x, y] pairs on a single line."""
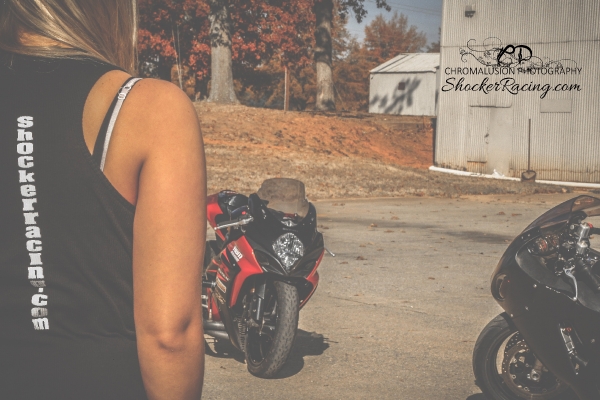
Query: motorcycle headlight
{"points": [[289, 249]]}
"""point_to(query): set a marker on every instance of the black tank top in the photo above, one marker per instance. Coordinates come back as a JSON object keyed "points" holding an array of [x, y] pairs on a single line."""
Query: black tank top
{"points": [[66, 283]]}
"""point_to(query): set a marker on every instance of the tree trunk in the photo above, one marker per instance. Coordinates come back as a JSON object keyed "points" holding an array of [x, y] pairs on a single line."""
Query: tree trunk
{"points": [[323, 55], [184, 77], [221, 77]]}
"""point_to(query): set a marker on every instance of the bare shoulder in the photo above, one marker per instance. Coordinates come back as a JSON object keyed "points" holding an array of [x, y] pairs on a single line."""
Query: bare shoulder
{"points": [[158, 112], [160, 100], [160, 89]]}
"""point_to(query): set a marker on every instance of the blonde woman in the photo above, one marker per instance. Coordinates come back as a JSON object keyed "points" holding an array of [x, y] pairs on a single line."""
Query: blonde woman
{"points": [[102, 211]]}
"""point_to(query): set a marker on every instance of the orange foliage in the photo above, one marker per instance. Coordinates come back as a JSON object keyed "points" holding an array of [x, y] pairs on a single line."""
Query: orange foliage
{"points": [[262, 31]]}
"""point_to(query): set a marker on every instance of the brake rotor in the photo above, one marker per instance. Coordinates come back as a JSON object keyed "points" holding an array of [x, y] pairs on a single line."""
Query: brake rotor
{"points": [[517, 366]]}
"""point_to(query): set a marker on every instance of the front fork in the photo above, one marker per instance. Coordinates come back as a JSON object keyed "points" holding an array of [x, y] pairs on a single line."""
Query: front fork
{"points": [[260, 300], [577, 361], [207, 300], [255, 311]]}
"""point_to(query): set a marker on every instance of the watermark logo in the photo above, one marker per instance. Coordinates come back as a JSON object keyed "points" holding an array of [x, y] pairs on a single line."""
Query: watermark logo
{"points": [[493, 53], [515, 65], [506, 56]]}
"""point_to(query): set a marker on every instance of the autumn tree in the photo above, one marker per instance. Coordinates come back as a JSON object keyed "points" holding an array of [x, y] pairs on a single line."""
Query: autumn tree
{"points": [[323, 55], [350, 68], [221, 78], [386, 38], [324, 10], [283, 33], [264, 32], [261, 37], [174, 33], [354, 60], [256, 32], [434, 47]]}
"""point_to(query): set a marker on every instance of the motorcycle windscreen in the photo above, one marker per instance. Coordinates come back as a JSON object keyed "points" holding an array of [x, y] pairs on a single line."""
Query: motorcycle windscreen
{"points": [[557, 217], [554, 222], [285, 195]]}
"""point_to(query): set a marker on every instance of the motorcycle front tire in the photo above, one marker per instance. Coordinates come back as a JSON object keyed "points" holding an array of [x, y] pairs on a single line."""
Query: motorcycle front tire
{"points": [[288, 308], [484, 363]]}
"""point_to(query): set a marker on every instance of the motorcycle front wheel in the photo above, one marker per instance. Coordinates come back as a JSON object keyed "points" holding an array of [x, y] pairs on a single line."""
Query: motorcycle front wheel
{"points": [[268, 345], [503, 366]]}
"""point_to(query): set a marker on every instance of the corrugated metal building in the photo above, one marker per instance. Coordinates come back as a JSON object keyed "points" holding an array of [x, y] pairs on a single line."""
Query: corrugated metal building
{"points": [[558, 88], [405, 85]]}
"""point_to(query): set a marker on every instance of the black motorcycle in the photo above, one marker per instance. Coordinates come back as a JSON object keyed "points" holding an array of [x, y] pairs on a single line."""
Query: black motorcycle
{"points": [[547, 343]]}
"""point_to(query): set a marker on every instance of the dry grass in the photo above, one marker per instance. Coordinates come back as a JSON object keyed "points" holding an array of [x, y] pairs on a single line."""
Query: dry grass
{"points": [[336, 156]]}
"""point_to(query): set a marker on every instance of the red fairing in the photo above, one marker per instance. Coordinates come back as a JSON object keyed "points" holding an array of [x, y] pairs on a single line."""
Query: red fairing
{"points": [[248, 265], [212, 210], [313, 278]]}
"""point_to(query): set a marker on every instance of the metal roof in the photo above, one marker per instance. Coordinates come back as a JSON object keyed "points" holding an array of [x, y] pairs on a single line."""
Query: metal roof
{"points": [[412, 62]]}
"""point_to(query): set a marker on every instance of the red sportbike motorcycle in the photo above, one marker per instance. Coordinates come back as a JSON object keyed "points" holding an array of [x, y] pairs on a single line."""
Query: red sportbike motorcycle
{"points": [[261, 270]]}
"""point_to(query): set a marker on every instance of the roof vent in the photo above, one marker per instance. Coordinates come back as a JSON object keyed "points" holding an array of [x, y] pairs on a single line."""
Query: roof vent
{"points": [[469, 11]]}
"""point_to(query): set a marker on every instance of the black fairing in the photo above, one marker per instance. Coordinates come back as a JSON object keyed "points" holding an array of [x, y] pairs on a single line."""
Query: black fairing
{"points": [[266, 229], [539, 302], [230, 201], [534, 270]]}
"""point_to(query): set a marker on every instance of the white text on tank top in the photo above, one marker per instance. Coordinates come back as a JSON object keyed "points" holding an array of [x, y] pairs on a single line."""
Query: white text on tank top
{"points": [[33, 235]]}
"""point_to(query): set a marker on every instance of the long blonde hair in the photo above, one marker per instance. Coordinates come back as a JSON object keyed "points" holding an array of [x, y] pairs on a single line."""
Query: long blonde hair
{"points": [[102, 29]]}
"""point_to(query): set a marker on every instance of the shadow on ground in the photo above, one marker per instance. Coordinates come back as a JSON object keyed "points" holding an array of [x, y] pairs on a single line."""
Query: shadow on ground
{"points": [[478, 396], [305, 344], [222, 349]]}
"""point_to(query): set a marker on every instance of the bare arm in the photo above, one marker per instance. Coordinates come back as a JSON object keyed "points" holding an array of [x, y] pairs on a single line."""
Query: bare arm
{"points": [[169, 237]]}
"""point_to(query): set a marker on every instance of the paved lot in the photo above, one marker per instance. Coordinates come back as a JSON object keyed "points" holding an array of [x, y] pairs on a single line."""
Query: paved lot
{"points": [[397, 312]]}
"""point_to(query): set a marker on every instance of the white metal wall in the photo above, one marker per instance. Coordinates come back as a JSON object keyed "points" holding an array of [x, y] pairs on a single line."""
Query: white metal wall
{"points": [[564, 145], [417, 98]]}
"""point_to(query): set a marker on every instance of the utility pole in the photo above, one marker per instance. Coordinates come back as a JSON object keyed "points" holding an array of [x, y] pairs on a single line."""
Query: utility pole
{"points": [[286, 99]]}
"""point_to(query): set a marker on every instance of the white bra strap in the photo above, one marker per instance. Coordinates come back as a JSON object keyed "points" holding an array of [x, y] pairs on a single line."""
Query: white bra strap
{"points": [[113, 118]]}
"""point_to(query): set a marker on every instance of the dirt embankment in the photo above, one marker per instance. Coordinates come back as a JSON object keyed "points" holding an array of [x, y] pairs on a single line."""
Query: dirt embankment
{"points": [[335, 155]]}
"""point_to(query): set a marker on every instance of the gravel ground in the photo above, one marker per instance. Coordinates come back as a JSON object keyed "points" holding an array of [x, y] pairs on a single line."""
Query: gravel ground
{"points": [[336, 155], [332, 176]]}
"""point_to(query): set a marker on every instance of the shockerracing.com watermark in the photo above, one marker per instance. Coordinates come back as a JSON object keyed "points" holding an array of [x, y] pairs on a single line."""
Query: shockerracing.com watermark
{"points": [[509, 85], [510, 61]]}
